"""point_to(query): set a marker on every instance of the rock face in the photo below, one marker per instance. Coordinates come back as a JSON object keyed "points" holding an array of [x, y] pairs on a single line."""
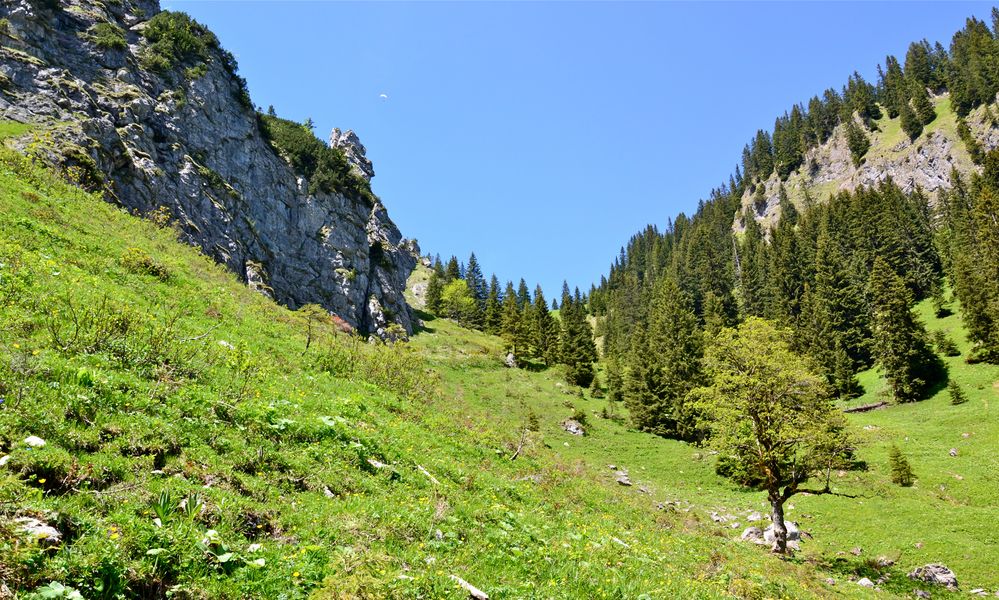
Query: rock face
{"points": [[184, 144], [354, 151], [925, 163]]}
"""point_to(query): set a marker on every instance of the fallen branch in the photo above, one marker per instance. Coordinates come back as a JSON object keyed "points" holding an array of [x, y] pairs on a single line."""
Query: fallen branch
{"points": [[866, 407], [520, 446], [473, 592], [427, 473]]}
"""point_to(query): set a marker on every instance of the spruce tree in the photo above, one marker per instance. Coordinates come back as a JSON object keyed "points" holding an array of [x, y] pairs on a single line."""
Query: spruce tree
{"points": [[664, 365], [513, 329], [901, 471], [476, 281], [435, 288], [957, 395], [921, 104], [523, 295], [543, 330], [752, 270], [576, 347], [911, 124], [479, 291], [452, 271], [857, 141], [493, 311], [900, 342]]}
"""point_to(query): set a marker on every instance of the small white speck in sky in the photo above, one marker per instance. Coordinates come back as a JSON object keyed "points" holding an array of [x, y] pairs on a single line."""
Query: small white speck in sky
{"points": [[383, 96]]}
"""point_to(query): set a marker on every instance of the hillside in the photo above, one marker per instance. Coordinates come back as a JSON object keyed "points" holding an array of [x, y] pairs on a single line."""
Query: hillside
{"points": [[946, 517], [201, 440], [925, 163]]}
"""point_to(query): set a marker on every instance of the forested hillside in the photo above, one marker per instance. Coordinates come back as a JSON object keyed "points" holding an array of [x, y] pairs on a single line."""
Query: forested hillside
{"points": [[841, 270]]}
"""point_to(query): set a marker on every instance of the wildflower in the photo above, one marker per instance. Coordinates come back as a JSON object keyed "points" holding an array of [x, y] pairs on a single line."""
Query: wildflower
{"points": [[296, 574], [42, 480]]}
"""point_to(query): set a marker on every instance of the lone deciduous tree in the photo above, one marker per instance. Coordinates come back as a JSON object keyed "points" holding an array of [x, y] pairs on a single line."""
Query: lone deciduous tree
{"points": [[770, 417]]}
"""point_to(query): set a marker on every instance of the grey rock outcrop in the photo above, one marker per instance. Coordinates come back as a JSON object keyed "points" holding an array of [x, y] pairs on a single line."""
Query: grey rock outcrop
{"points": [[354, 150], [573, 426], [936, 574], [925, 163], [185, 144]]}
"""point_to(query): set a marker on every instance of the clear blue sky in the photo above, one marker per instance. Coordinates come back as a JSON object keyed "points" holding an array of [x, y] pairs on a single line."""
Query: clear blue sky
{"points": [[543, 135]]}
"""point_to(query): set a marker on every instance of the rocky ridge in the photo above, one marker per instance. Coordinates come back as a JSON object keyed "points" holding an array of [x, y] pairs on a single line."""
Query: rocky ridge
{"points": [[185, 144], [925, 163]]}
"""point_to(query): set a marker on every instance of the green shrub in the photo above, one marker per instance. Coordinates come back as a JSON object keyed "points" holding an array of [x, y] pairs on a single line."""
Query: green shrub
{"points": [[137, 261], [326, 169], [957, 395], [901, 471], [108, 36], [176, 40], [944, 344]]}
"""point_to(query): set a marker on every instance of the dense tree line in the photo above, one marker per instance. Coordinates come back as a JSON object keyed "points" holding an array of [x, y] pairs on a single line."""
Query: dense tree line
{"points": [[969, 71], [530, 330], [841, 275]]}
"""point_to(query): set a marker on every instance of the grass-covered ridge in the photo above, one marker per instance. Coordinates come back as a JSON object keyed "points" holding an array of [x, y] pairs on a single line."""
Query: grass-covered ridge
{"points": [[194, 445]]}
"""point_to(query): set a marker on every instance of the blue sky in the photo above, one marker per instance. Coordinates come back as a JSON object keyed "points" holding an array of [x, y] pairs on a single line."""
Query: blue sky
{"points": [[543, 135]]}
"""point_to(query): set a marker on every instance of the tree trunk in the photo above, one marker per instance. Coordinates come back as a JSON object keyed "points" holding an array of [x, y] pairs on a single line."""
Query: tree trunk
{"points": [[780, 531]]}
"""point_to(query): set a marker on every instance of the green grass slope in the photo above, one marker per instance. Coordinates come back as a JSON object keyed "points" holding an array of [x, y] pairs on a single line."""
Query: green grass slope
{"points": [[948, 516], [204, 442]]}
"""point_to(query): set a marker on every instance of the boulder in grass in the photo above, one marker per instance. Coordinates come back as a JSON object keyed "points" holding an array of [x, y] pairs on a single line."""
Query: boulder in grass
{"points": [[936, 574], [39, 531], [573, 426], [793, 534]]}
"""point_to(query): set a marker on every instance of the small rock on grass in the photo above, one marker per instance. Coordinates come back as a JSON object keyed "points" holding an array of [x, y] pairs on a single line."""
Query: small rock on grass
{"points": [[34, 441], [865, 582]]}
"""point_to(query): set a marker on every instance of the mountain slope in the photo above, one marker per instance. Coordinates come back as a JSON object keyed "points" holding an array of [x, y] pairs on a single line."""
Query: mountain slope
{"points": [[202, 440], [147, 107], [926, 162], [945, 517]]}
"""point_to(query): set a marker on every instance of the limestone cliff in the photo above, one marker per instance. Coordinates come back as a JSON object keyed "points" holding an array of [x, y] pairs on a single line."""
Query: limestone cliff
{"points": [[925, 162], [178, 137]]}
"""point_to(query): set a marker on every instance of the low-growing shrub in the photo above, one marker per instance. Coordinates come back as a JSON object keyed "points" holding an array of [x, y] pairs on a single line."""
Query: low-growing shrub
{"points": [[108, 36], [944, 344], [901, 471], [137, 261], [326, 169], [957, 395]]}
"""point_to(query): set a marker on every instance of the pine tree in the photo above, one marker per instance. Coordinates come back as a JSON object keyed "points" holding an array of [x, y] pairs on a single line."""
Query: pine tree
{"points": [[900, 342], [452, 271], [901, 471], [664, 366], [493, 311], [857, 141], [435, 288], [957, 395], [544, 330], [911, 124], [921, 104]]}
